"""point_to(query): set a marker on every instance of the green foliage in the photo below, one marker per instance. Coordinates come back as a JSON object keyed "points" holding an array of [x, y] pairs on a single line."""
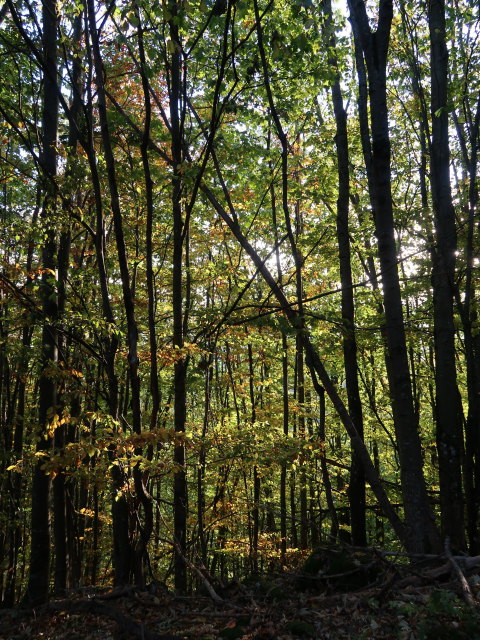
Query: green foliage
{"points": [[443, 615]]}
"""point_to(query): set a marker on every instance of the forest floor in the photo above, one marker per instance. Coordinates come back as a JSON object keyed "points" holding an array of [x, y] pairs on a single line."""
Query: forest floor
{"points": [[419, 601]]}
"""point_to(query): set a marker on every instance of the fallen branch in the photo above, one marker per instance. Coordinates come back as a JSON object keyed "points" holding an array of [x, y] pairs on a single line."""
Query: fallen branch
{"points": [[465, 587], [211, 591]]}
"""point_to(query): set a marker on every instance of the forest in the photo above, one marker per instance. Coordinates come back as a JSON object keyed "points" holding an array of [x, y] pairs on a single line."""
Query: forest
{"points": [[239, 275]]}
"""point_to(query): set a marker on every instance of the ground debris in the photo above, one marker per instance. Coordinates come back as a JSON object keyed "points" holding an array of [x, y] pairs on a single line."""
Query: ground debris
{"points": [[419, 600]]}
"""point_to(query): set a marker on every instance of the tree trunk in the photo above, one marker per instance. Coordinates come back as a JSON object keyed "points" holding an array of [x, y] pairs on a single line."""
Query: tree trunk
{"points": [[62, 525], [39, 577], [285, 393], [125, 555], [180, 367], [448, 409], [422, 533], [356, 490], [302, 478]]}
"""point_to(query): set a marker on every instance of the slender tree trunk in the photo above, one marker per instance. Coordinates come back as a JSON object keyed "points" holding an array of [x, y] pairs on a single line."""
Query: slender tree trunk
{"points": [[256, 477], [302, 477], [334, 527], [61, 524], [202, 458], [356, 490], [128, 560], [283, 472], [9, 596], [141, 478], [180, 367], [39, 576], [285, 392]]}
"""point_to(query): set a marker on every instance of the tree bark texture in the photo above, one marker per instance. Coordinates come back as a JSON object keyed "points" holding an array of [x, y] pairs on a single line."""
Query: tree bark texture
{"points": [[448, 410], [421, 530], [39, 576], [180, 367], [356, 491]]}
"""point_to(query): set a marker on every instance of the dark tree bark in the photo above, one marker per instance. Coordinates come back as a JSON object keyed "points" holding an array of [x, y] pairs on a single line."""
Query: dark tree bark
{"points": [[448, 409], [469, 316], [180, 367], [127, 563], [39, 577], [62, 520], [255, 516], [356, 491], [422, 533]]}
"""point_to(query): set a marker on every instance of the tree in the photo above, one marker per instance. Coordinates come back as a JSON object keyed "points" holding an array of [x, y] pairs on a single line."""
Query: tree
{"points": [[39, 575], [374, 46], [448, 410], [357, 477]]}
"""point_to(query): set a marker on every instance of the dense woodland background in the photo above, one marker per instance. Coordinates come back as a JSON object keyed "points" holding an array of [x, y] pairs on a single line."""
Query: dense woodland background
{"points": [[238, 286]]}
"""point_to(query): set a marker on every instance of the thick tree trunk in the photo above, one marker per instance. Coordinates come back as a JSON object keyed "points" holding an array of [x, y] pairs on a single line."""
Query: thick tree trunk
{"points": [[422, 533], [448, 410]]}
